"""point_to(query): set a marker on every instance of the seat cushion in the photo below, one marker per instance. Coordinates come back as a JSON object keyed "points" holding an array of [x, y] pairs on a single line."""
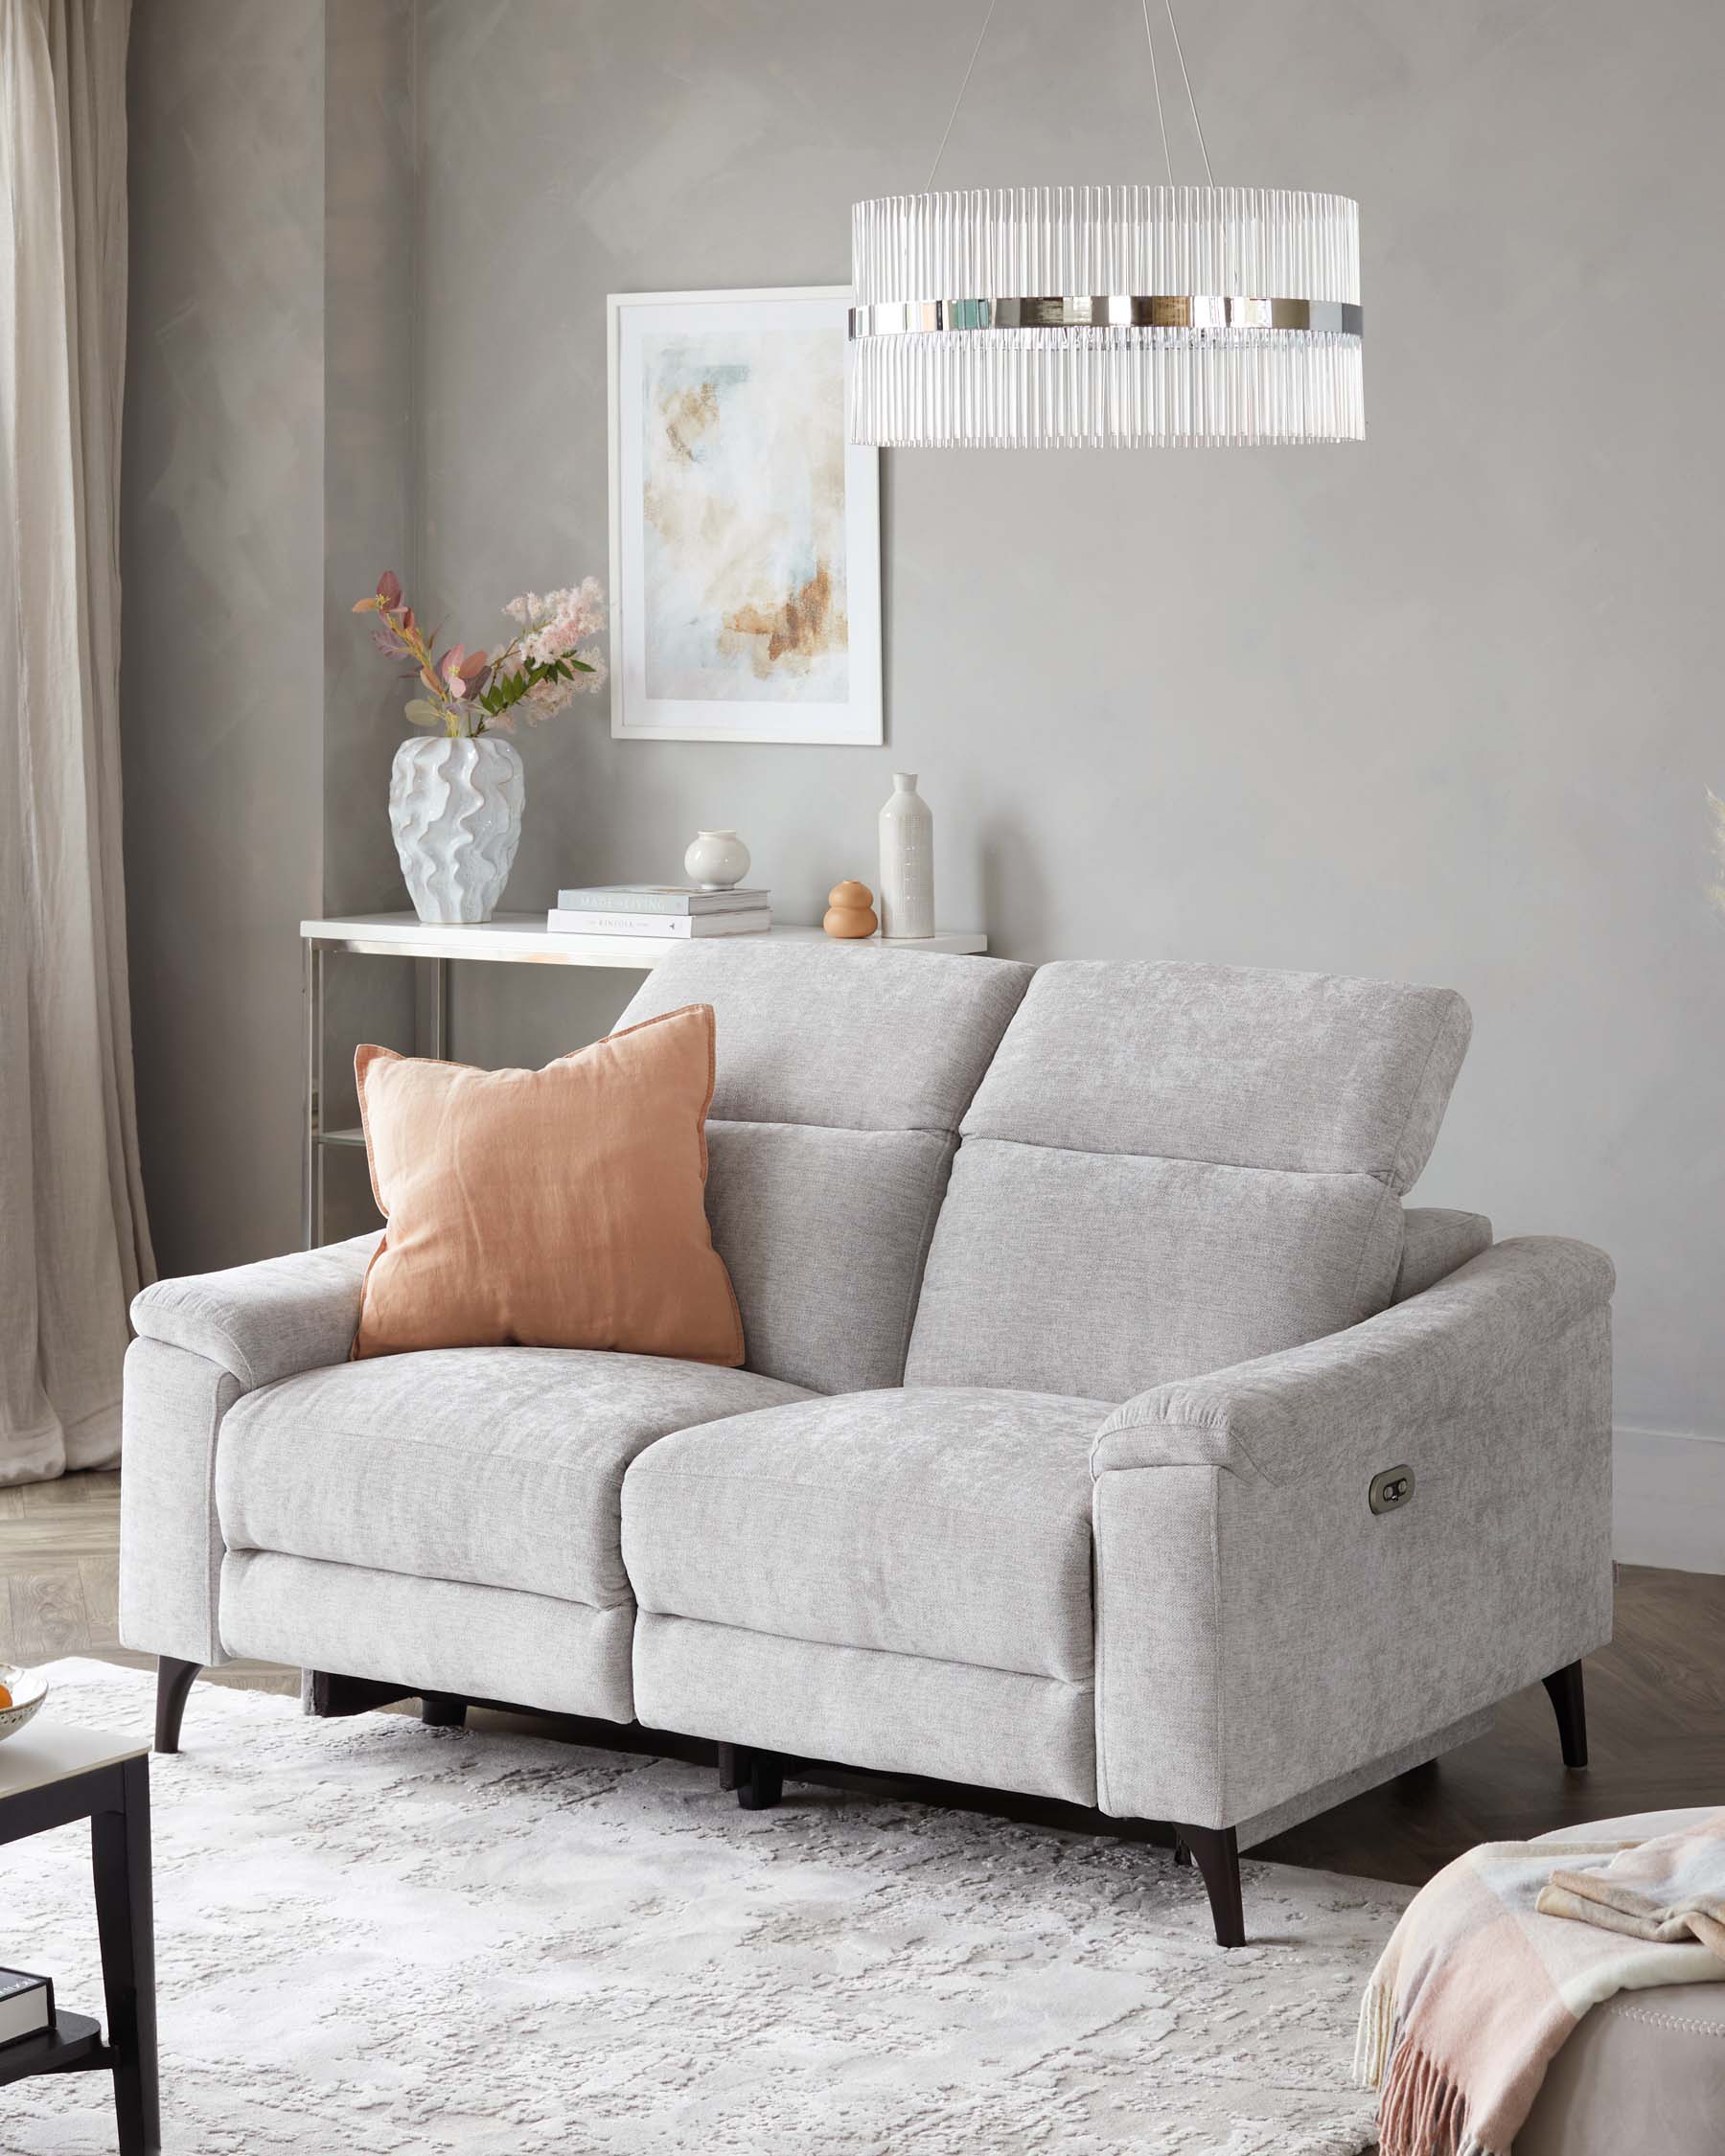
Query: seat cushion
{"points": [[842, 1072], [952, 1524], [498, 1466]]}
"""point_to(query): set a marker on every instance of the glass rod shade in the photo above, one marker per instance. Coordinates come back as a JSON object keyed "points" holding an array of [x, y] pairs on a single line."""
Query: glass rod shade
{"points": [[1107, 317]]}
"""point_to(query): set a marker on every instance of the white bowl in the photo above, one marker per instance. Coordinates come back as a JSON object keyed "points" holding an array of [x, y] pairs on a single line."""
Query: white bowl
{"points": [[28, 1688]]}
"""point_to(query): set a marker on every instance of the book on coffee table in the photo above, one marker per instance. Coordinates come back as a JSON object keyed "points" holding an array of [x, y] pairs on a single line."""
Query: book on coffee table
{"points": [[658, 898], [26, 2005], [666, 926]]}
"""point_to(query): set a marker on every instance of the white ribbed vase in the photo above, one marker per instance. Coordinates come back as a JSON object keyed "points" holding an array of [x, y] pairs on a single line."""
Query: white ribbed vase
{"points": [[907, 862], [455, 809], [1211, 364]]}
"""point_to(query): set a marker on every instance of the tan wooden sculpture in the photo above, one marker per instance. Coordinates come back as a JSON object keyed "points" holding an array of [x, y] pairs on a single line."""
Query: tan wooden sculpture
{"points": [[850, 912]]}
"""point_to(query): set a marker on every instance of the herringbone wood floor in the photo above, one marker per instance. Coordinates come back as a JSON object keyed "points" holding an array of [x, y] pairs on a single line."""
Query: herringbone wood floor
{"points": [[1655, 1700], [60, 1572]]}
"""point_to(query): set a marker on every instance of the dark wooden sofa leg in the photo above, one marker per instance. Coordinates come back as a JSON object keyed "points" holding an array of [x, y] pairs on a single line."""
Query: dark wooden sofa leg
{"points": [[1569, 1703], [1216, 1853], [443, 1710], [173, 1686], [332, 1694], [760, 1782]]}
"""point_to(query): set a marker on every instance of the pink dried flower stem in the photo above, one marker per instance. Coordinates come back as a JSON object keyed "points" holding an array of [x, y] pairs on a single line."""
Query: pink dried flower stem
{"points": [[537, 672]]}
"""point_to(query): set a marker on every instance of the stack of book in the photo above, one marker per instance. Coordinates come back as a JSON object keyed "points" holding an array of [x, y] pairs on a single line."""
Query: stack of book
{"points": [[658, 910]]}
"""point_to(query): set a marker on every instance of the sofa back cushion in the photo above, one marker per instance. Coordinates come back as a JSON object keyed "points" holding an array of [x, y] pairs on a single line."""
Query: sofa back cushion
{"points": [[844, 1071], [1169, 1168]]}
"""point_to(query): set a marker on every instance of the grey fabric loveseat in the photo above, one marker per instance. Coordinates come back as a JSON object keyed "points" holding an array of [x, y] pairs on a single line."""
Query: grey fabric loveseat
{"points": [[1109, 1430]]}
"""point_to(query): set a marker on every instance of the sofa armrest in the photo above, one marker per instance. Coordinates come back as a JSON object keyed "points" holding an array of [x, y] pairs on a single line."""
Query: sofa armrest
{"points": [[1439, 1355], [262, 1321], [203, 1342], [1266, 1643]]}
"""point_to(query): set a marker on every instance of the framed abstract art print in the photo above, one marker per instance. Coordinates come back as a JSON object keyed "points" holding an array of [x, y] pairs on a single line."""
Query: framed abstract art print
{"points": [[745, 528]]}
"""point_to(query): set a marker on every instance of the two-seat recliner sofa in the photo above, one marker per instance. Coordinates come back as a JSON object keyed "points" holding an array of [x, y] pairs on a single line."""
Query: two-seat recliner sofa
{"points": [[1110, 1432]]}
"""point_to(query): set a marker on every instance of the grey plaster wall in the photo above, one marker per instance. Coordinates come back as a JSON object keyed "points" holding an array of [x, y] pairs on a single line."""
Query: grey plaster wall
{"points": [[370, 502], [269, 476], [370, 523], [221, 556]]}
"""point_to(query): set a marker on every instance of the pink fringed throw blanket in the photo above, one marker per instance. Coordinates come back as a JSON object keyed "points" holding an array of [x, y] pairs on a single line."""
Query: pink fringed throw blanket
{"points": [[1487, 1973]]}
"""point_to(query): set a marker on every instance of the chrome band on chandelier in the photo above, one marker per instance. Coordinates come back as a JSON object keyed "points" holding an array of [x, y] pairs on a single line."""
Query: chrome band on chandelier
{"points": [[1109, 310], [1131, 317]]}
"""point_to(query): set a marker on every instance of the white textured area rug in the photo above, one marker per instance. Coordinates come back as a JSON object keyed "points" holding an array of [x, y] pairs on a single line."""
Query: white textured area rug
{"points": [[377, 1937]]}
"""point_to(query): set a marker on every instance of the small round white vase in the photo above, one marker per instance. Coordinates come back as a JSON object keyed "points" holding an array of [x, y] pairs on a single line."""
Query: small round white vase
{"points": [[455, 809], [907, 863], [718, 860]]}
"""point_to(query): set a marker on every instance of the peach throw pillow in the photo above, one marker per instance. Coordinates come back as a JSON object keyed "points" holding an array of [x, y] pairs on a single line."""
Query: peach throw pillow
{"points": [[562, 1207]]}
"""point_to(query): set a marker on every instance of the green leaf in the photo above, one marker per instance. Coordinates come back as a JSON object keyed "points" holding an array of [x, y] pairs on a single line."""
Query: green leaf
{"points": [[422, 713]]}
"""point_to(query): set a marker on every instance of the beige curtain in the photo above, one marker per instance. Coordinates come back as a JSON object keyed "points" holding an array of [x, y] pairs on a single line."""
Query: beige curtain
{"points": [[73, 1244]]}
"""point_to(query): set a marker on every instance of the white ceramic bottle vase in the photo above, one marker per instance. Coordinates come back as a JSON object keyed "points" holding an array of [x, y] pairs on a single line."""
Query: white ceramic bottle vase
{"points": [[907, 862]]}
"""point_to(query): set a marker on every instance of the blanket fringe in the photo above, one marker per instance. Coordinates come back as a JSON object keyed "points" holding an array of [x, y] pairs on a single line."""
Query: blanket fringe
{"points": [[1421, 2111]]}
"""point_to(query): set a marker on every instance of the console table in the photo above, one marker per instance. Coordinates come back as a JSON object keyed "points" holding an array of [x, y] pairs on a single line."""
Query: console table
{"points": [[51, 1776], [510, 939]]}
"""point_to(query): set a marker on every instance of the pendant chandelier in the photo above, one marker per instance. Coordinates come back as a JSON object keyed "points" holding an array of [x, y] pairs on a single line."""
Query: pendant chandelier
{"points": [[1106, 317]]}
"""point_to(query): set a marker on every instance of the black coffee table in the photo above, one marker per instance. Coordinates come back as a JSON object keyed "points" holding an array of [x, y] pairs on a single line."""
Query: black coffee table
{"points": [[49, 1777]]}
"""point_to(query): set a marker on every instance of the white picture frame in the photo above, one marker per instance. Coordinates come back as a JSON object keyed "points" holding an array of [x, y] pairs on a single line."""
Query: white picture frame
{"points": [[675, 675]]}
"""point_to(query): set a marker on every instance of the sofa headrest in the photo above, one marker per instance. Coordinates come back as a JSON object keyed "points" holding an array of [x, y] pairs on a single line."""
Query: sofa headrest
{"points": [[846, 1034], [1250, 1069]]}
